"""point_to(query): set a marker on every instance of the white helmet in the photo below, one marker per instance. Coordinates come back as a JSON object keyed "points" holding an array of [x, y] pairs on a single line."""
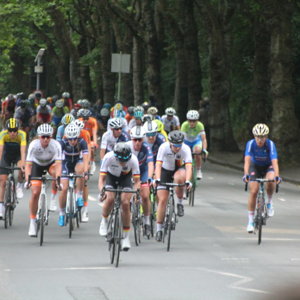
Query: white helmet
{"points": [[79, 123], [67, 119], [45, 129], [59, 103], [137, 132], [170, 111], [115, 123], [43, 102], [192, 115], [260, 130], [65, 95], [72, 131], [152, 110], [150, 127]]}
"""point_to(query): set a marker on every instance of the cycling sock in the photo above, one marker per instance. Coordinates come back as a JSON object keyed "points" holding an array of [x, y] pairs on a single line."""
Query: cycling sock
{"points": [[62, 211], [147, 220], [250, 216], [270, 200], [180, 201], [1, 205], [33, 220], [19, 185], [158, 227]]}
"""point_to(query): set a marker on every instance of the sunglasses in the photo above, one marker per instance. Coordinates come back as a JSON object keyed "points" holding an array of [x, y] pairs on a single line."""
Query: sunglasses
{"points": [[117, 129], [12, 129], [72, 139], [137, 140], [45, 137], [151, 134], [177, 145], [192, 121]]}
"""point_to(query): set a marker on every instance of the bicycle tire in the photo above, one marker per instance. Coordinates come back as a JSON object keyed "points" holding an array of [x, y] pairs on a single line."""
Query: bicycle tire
{"points": [[115, 237], [118, 239], [259, 225], [135, 222], [71, 212], [7, 203], [13, 205], [42, 219], [192, 195], [110, 238], [171, 212]]}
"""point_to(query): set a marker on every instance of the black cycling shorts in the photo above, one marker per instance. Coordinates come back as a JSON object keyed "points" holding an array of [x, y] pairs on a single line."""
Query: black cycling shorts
{"points": [[38, 171], [259, 171], [122, 181]]}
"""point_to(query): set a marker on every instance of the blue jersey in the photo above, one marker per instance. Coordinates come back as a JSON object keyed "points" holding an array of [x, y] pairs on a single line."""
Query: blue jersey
{"points": [[160, 139], [73, 153], [261, 156], [60, 132]]}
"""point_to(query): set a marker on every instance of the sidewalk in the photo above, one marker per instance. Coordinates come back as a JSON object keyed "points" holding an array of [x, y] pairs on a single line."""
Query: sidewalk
{"points": [[235, 160]]}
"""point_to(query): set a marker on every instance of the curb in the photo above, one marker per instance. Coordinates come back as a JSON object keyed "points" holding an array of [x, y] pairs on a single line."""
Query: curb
{"points": [[240, 168]]}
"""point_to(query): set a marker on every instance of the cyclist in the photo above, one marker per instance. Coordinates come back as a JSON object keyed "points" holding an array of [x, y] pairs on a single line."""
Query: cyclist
{"points": [[119, 166], [261, 161], [44, 154], [174, 160], [137, 117], [25, 115], [58, 111], [113, 135], [103, 120], [195, 137], [145, 157], [118, 111], [75, 160], [12, 150], [170, 121], [91, 125], [129, 115], [43, 112], [66, 119], [8, 108], [153, 138], [160, 128], [67, 100], [154, 112]]}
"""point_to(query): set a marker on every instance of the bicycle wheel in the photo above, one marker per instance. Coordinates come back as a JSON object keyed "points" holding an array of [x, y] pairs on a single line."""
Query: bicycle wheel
{"points": [[170, 217], [110, 237], [42, 218], [153, 213], [192, 195], [135, 222], [13, 205], [71, 211], [7, 203], [118, 239]]}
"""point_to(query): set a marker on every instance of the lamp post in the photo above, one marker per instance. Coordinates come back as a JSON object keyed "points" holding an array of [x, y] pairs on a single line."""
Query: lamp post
{"points": [[38, 69]]}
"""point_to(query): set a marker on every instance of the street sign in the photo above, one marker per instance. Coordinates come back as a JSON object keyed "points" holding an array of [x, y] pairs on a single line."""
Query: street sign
{"points": [[120, 63], [38, 69]]}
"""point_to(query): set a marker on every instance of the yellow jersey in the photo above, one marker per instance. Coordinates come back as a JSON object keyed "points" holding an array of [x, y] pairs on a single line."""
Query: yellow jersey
{"points": [[20, 138]]}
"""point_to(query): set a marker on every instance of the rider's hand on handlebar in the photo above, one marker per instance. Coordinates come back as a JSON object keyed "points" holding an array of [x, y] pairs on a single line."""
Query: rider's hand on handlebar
{"points": [[246, 178], [278, 179], [205, 153], [188, 185], [27, 185]]}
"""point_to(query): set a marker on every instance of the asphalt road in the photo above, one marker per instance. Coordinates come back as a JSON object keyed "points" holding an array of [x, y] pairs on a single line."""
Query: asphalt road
{"points": [[211, 257]]}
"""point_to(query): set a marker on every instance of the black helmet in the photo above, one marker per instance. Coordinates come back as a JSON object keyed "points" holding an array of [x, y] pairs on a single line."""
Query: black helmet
{"points": [[23, 103], [130, 110], [176, 137], [12, 123], [122, 151]]}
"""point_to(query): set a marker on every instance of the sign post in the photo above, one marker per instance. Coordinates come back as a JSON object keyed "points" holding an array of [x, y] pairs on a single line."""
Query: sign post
{"points": [[120, 63], [38, 69]]}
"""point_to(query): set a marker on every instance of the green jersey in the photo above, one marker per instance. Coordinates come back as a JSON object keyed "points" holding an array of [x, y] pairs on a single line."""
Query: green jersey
{"points": [[192, 134]]}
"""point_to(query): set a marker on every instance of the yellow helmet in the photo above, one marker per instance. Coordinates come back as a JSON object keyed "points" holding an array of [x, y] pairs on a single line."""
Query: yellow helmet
{"points": [[12, 123]]}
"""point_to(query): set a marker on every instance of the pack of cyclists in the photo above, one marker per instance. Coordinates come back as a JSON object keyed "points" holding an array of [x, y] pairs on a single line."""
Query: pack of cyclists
{"points": [[137, 149]]}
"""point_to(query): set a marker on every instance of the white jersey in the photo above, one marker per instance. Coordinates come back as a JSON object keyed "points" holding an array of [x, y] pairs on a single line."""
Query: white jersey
{"points": [[44, 156], [170, 160], [108, 140], [170, 125], [110, 164]]}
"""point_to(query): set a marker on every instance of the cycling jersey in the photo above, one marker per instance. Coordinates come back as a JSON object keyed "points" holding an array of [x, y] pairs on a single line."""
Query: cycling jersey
{"points": [[46, 109], [44, 156], [170, 125], [89, 125], [60, 132], [171, 160], [111, 165], [24, 115], [261, 156], [73, 153], [108, 140], [58, 113], [192, 134], [85, 135], [160, 139]]}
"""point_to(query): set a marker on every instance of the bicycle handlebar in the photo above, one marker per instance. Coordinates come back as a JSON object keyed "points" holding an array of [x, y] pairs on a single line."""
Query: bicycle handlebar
{"points": [[262, 180], [120, 190], [11, 168]]}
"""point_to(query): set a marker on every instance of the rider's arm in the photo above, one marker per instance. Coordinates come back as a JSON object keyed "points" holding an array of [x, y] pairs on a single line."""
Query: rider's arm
{"points": [[158, 169], [136, 182], [85, 162], [28, 167], [275, 167], [102, 153], [1, 151], [94, 131], [101, 182], [150, 169], [58, 168], [204, 141], [247, 162], [188, 171], [23, 156]]}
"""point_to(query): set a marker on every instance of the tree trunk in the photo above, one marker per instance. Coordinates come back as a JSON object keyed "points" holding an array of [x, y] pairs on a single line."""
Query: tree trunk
{"points": [[137, 71], [285, 130]]}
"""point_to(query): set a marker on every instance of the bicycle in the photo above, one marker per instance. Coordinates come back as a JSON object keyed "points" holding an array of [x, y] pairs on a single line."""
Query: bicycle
{"points": [[261, 215], [72, 210], [43, 212], [115, 224], [10, 198], [194, 178], [170, 215], [153, 209]]}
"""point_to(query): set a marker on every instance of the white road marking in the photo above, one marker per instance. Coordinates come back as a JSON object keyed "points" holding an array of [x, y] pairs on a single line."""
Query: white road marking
{"points": [[281, 199], [270, 239], [91, 198]]}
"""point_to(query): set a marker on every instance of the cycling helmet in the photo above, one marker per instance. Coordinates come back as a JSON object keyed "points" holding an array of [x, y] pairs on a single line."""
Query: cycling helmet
{"points": [[104, 112], [150, 127], [65, 95], [67, 119], [152, 110], [45, 129], [23, 103], [43, 102], [10, 97], [78, 123], [72, 131], [84, 113], [130, 110], [122, 151], [260, 130], [115, 123], [79, 101], [107, 105], [118, 106], [137, 132], [170, 111], [59, 103], [146, 118], [21, 96], [192, 115], [138, 112], [145, 105], [12, 123], [160, 125], [38, 95], [176, 137], [85, 103]]}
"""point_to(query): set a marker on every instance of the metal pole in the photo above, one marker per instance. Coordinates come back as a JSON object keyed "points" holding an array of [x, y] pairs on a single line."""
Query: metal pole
{"points": [[38, 74], [119, 77]]}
